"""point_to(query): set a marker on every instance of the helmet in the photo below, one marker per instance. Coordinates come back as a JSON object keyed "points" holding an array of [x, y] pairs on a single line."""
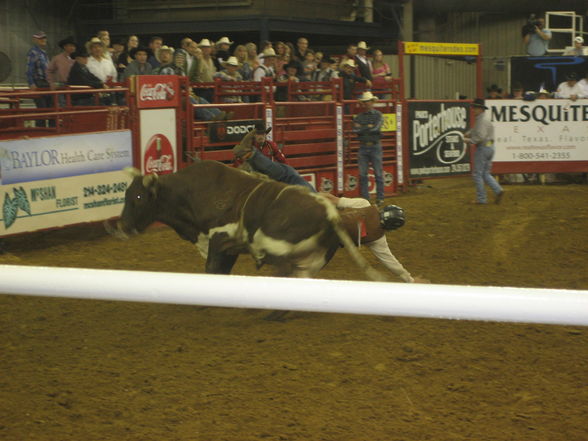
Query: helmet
{"points": [[391, 217]]}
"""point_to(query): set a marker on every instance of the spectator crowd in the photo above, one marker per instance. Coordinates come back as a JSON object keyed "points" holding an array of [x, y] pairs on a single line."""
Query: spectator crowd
{"points": [[101, 63]]}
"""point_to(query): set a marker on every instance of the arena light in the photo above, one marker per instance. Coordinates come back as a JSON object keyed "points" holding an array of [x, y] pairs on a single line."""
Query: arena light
{"points": [[550, 306]]}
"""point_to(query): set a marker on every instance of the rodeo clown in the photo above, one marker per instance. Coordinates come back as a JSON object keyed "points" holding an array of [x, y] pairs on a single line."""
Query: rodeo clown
{"points": [[263, 156], [367, 225]]}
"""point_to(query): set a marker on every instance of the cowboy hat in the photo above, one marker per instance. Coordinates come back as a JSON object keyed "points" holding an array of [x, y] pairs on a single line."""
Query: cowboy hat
{"points": [[260, 128], [231, 61], [579, 40], [479, 102], [362, 45], [224, 40], [205, 42], [68, 40], [166, 48], [39, 35], [368, 96], [349, 62], [269, 52]]}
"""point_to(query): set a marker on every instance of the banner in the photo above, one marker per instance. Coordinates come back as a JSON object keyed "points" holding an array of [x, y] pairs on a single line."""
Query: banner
{"points": [[429, 48], [231, 131], [37, 205], [535, 73], [34, 159], [158, 141], [435, 132], [155, 91], [540, 130]]}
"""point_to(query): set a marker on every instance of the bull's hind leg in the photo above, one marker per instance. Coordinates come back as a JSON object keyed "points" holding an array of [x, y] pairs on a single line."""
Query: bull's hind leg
{"points": [[309, 266]]}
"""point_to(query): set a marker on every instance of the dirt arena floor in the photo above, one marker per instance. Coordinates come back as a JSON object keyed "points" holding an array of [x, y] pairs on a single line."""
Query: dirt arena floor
{"points": [[96, 370]]}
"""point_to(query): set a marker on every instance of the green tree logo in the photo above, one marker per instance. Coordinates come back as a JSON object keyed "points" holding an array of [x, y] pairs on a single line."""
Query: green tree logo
{"points": [[11, 205]]}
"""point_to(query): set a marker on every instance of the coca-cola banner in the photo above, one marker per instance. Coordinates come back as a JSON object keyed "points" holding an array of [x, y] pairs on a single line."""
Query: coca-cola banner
{"points": [[158, 141], [157, 91], [435, 132]]}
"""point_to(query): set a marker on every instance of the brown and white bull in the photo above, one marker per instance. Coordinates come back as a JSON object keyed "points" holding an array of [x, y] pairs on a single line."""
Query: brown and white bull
{"points": [[226, 212]]}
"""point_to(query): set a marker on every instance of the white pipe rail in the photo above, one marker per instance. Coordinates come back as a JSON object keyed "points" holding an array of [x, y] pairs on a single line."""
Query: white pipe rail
{"points": [[550, 306]]}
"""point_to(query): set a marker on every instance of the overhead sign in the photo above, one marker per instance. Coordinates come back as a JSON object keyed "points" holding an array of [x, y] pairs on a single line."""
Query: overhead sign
{"points": [[429, 48], [436, 131]]}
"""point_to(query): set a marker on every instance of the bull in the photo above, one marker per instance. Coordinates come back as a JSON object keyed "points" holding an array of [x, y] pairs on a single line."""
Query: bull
{"points": [[227, 212]]}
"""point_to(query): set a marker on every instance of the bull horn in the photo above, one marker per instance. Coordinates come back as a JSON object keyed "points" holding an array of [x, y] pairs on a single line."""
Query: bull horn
{"points": [[149, 180], [115, 232], [132, 171]]}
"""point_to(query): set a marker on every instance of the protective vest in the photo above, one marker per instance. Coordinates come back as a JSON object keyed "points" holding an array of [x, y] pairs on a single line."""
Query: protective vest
{"points": [[362, 223]]}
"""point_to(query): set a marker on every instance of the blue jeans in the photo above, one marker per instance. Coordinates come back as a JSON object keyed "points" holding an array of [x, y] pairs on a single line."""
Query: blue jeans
{"points": [[204, 114], [370, 155], [482, 167], [277, 171]]}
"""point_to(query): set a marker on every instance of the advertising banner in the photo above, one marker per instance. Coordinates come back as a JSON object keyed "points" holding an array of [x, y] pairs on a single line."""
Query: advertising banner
{"points": [[430, 48], [157, 91], [232, 131], [352, 181], [53, 157], [36, 205], [158, 141], [435, 132], [540, 130]]}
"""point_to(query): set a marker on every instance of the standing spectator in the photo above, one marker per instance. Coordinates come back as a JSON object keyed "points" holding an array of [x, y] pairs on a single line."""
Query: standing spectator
{"points": [[325, 72], [251, 60], [364, 66], [367, 125], [482, 134], [350, 54], [536, 38], [570, 88], [167, 66], [104, 37], [125, 57], [240, 53], [185, 60], [578, 49], [37, 63], [154, 44], [301, 49], [267, 68], [290, 73], [282, 56], [222, 52], [517, 91], [99, 63], [118, 48], [206, 70], [350, 79], [80, 75], [60, 65], [193, 68], [139, 65], [308, 65], [266, 44], [583, 83], [380, 71], [494, 92], [230, 73]]}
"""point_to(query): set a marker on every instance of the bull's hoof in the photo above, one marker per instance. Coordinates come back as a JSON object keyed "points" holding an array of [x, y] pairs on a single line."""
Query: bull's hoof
{"points": [[276, 316]]}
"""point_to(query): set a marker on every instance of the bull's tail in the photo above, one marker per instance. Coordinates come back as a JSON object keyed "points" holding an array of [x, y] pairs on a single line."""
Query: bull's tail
{"points": [[362, 263]]}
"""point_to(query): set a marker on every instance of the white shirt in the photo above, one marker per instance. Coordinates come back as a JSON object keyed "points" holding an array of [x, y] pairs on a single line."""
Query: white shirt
{"points": [[379, 247], [583, 83], [565, 91], [102, 68]]}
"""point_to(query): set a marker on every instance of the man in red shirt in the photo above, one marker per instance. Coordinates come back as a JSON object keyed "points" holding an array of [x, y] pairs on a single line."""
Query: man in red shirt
{"points": [[264, 156]]}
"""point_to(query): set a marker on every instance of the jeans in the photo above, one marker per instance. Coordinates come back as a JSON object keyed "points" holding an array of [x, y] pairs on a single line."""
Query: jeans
{"points": [[370, 155], [277, 171], [204, 114], [482, 167]]}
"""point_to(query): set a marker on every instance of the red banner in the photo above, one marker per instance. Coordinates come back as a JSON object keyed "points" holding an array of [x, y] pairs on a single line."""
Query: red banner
{"points": [[157, 91]]}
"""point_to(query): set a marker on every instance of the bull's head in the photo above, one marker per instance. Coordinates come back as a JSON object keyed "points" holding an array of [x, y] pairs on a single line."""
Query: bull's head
{"points": [[245, 146], [140, 205]]}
